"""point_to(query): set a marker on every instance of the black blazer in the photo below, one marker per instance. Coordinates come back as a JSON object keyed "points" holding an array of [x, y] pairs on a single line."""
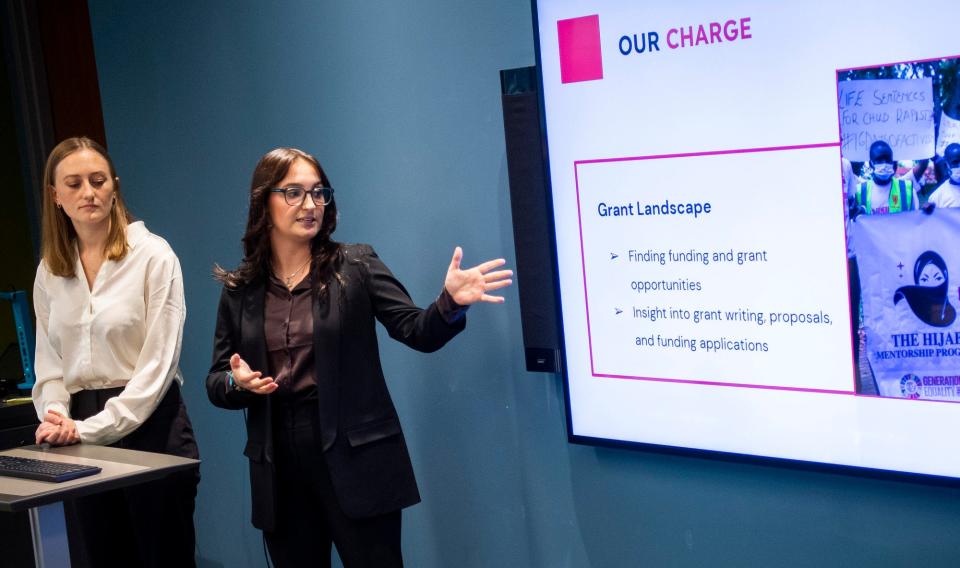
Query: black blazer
{"points": [[362, 441]]}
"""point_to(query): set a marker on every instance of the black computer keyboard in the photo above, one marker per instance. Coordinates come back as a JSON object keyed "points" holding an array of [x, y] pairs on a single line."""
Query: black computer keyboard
{"points": [[43, 470]]}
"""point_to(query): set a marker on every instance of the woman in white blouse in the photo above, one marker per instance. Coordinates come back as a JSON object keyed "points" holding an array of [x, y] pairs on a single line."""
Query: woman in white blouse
{"points": [[110, 313]]}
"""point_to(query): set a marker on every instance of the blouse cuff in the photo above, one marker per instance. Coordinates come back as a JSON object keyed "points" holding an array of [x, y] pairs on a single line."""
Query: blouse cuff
{"points": [[450, 310], [56, 407]]}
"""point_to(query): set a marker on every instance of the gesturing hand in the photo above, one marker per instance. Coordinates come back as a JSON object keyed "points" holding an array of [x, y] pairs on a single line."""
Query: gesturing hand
{"points": [[471, 285], [249, 380], [57, 430]]}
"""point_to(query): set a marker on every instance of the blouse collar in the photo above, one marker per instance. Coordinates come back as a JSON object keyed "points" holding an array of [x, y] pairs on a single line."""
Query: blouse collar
{"points": [[136, 232]]}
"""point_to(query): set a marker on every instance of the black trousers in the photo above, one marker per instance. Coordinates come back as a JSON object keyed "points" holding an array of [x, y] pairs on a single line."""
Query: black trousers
{"points": [[150, 524], [309, 517]]}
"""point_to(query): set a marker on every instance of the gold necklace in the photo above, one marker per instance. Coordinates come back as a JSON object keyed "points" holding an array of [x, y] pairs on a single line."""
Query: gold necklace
{"points": [[289, 279]]}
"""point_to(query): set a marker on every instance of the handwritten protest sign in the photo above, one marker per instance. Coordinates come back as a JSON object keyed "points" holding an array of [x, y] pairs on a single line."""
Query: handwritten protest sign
{"points": [[898, 111], [949, 132]]}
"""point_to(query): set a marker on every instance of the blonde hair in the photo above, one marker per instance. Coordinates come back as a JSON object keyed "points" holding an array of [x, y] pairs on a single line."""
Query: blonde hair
{"points": [[57, 233]]}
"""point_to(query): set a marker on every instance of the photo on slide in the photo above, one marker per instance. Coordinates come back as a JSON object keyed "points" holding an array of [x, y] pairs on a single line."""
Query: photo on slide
{"points": [[900, 162]]}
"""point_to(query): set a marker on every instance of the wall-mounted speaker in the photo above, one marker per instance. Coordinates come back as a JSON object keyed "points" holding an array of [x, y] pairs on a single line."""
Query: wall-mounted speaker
{"points": [[532, 212]]}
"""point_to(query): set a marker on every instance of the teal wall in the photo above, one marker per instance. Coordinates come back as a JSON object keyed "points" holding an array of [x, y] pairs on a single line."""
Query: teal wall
{"points": [[400, 101]]}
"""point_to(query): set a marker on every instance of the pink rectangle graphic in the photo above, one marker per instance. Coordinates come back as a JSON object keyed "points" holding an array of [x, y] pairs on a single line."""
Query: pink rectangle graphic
{"points": [[580, 54]]}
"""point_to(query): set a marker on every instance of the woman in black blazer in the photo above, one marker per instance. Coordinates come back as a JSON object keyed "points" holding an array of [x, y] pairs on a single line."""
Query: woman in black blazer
{"points": [[296, 346]]}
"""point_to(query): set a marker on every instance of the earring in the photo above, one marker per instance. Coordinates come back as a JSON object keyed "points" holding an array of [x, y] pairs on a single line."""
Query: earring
{"points": [[59, 206]]}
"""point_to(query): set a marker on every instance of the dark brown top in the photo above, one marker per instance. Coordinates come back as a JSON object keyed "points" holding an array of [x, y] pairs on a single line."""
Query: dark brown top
{"points": [[288, 329]]}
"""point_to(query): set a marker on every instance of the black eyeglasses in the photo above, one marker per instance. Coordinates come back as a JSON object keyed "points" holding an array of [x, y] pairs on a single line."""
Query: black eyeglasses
{"points": [[296, 195]]}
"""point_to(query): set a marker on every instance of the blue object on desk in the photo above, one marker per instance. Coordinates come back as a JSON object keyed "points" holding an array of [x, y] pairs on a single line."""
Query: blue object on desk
{"points": [[25, 335]]}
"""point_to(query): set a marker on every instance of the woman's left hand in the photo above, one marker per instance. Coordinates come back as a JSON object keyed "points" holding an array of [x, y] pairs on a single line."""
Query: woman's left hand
{"points": [[57, 430], [469, 286]]}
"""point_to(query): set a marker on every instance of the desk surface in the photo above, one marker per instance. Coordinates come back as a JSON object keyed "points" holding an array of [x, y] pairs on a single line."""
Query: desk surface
{"points": [[121, 468]]}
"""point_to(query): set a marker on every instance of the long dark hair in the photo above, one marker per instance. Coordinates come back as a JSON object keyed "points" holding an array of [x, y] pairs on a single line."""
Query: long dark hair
{"points": [[257, 253]]}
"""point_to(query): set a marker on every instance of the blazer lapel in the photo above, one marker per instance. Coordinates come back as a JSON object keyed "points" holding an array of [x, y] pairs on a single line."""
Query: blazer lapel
{"points": [[253, 345], [253, 349], [326, 355]]}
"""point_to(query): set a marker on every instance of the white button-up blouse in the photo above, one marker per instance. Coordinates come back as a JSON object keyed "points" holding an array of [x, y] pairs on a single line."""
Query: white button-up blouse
{"points": [[124, 332]]}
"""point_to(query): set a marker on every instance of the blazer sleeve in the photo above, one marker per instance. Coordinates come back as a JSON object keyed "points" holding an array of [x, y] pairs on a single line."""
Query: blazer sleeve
{"points": [[226, 341], [421, 329]]}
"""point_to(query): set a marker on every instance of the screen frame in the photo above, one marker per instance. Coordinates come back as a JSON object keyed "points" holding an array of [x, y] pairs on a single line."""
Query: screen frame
{"points": [[717, 455]]}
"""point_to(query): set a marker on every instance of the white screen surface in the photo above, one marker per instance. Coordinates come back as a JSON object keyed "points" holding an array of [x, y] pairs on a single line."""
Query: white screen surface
{"points": [[699, 206]]}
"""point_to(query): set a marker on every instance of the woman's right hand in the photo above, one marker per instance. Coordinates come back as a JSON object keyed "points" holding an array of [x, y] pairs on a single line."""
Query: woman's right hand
{"points": [[57, 430], [248, 380]]}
